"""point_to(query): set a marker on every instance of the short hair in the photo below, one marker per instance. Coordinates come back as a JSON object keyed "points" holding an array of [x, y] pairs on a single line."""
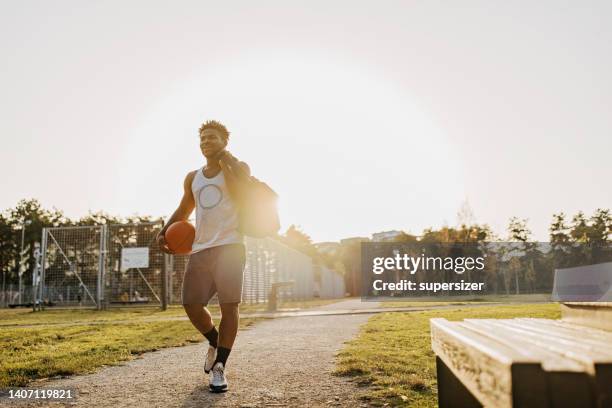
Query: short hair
{"points": [[213, 124]]}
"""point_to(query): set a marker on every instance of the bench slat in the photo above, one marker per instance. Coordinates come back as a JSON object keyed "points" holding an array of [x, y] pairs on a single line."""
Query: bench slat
{"points": [[488, 368], [593, 332], [571, 348], [512, 362], [549, 359], [585, 332], [547, 328], [595, 360]]}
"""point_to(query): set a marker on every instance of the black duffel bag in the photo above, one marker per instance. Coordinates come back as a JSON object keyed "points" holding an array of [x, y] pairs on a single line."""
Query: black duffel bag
{"points": [[256, 201]]}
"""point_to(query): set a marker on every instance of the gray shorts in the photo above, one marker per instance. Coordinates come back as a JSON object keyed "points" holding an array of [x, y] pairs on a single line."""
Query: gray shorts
{"points": [[214, 270]]}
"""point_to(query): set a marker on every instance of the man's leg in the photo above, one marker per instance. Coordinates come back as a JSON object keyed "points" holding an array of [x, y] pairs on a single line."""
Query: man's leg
{"points": [[228, 277], [201, 319], [228, 328]]}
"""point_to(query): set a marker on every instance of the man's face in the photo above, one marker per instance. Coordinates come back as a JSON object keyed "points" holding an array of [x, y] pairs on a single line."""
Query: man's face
{"points": [[211, 142]]}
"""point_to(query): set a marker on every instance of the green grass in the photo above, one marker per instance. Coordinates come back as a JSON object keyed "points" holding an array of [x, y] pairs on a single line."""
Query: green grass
{"points": [[303, 304], [76, 316], [392, 354], [42, 350], [136, 314], [390, 304], [464, 300], [27, 354]]}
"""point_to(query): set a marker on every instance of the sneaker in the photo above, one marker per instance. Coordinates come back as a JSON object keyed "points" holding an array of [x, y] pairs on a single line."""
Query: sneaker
{"points": [[211, 356], [218, 383]]}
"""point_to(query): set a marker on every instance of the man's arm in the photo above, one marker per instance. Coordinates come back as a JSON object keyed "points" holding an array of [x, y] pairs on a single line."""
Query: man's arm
{"points": [[182, 213]]}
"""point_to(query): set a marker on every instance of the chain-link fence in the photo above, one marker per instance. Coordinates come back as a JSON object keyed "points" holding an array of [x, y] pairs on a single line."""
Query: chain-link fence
{"points": [[14, 294], [267, 262], [117, 265], [72, 260], [16, 261], [331, 284], [102, 265], [135, 264]]}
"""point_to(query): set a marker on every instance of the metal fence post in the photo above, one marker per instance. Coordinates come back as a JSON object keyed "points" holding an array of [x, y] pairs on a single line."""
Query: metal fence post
{"points": [[35, 275], [164, 283], [170, 279], [43, 267], [101, 265]]}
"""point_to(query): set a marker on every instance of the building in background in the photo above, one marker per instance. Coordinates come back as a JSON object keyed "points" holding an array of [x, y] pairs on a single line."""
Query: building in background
{"points": [[353, 240], [386, 236], [328, 248]]}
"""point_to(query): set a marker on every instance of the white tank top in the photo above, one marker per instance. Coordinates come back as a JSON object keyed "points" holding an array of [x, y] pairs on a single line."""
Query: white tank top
{"points": [[216, 214]]}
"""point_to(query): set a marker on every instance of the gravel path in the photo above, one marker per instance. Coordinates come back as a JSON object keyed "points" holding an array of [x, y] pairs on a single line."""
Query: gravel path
{"points": [[285, 362]]}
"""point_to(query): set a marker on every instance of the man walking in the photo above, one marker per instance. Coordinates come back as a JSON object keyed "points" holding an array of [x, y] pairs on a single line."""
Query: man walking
{"points": [[217, 260]]}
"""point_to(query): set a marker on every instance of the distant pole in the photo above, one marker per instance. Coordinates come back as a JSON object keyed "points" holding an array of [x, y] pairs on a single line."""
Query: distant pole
{"points": [[164, 282], [23, 225], [101, 267], [166, 269], [36, 277], [21, 258], [43, 261], [4, 287], [516, 280], [22, 234]]}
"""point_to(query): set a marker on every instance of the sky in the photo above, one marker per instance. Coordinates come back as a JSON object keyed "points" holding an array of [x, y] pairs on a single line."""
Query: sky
{"points": [[364, 116]]}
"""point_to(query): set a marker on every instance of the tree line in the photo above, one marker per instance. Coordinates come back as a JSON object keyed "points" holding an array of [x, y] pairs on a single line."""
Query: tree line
{"points": [[576, 240], [27, 219], [24, 223]]}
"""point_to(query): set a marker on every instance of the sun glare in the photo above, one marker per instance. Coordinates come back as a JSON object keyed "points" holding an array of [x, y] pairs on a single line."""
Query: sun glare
{"points": [[334, 140]]}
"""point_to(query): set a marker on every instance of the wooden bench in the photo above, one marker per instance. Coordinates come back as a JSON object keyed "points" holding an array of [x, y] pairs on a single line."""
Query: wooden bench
{"points": [[526, 362]]}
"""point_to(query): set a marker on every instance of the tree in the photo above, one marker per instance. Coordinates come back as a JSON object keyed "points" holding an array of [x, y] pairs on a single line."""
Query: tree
{"points": [[586, 240], [299, 240], [580, 228], [99, 218], [559, 230], [350, 257], [9, 252], [601, 226], [30, 216], [465, 215], [463, 234], [599, 236], [560, 240], [518, 231]]}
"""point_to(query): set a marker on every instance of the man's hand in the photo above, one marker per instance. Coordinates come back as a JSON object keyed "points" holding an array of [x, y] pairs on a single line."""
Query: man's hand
{"points": [[228, 159], [225, 157], [222, 155], [163, 245]]}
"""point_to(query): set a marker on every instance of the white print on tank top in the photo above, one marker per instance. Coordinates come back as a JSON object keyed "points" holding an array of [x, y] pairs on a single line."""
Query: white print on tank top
{"points": [[216, 214]]}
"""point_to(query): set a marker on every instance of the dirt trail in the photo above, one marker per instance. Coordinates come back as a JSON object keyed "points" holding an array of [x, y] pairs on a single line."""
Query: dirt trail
{"points": [[284, 362]]}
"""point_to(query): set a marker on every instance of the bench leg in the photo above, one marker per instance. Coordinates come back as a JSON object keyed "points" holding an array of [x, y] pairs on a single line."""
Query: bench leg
{"points": [[451, 392]]}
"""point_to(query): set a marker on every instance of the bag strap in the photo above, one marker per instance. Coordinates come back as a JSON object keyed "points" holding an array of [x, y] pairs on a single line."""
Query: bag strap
{"points": [[239, 178]]}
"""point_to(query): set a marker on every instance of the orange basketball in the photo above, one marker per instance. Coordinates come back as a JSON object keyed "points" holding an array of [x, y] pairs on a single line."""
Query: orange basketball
{"points": [[179, 237]]}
